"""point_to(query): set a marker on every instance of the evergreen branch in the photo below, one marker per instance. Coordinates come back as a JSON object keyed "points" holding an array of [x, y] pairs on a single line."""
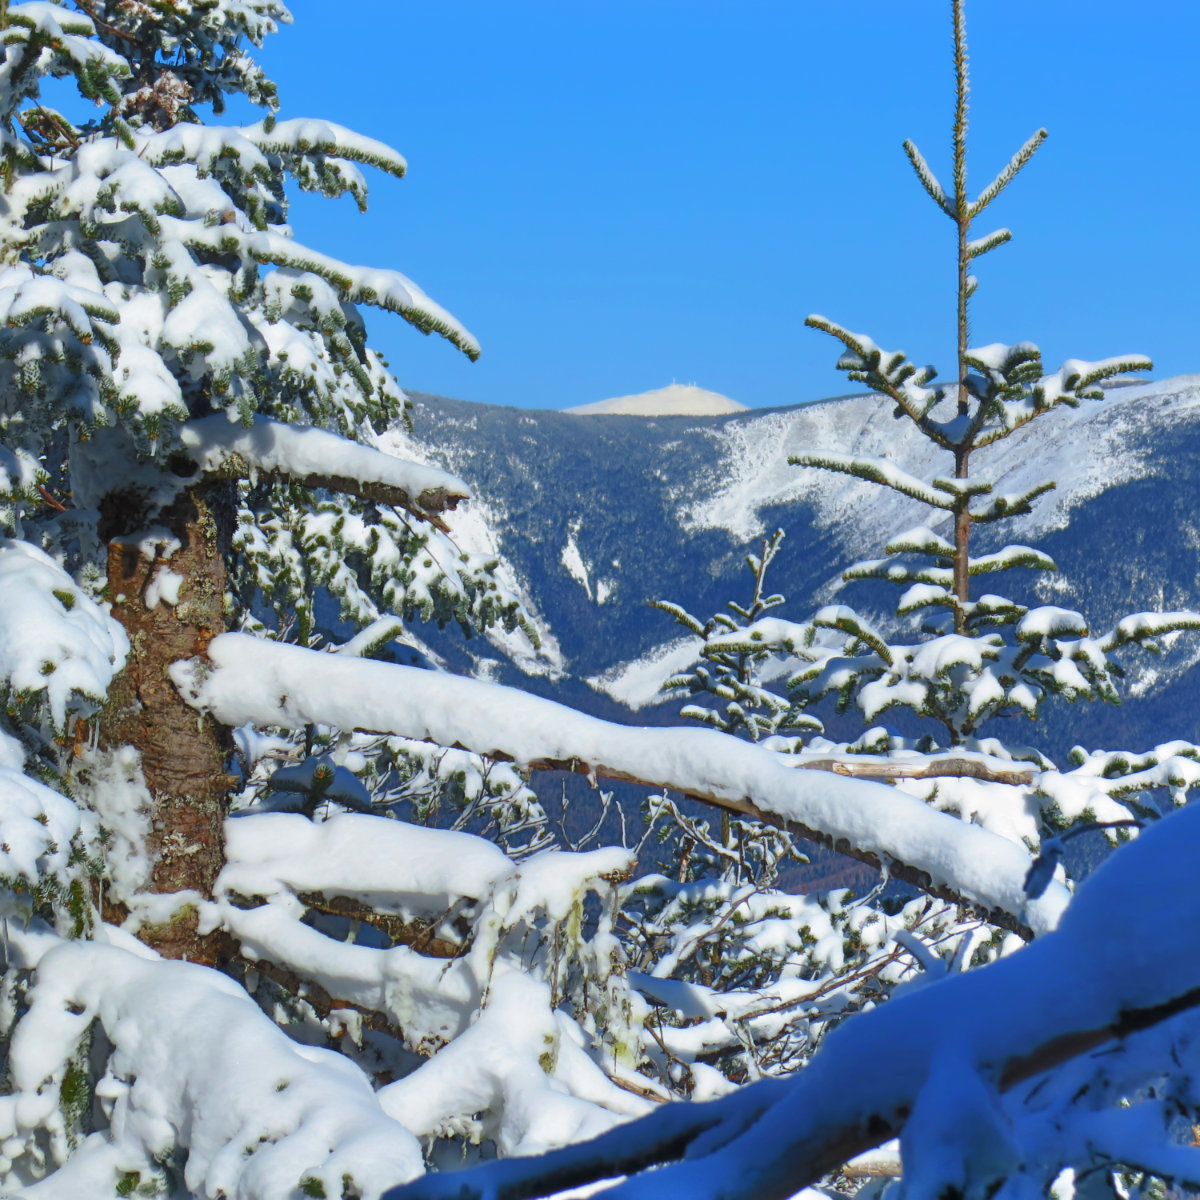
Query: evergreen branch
{"points": [[1018, 364], [863, 362], [876, 470], [863, 347], [1009, 558], [846, 620], [1049, 621], [66, 22], [1011, 363], [962, 489], [1081, 378], [326, 139], [681, 615], [316, 459], [920, 541], [990, 242], [385, 289], [1075, 380], [1010, 172], [1138, 627], [1015, 505], [899, 573], [767, 633], [926, 595], [929, 181]]}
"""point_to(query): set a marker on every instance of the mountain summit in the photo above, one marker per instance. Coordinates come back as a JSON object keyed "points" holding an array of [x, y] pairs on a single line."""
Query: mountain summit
{"points": [[675, 400]]}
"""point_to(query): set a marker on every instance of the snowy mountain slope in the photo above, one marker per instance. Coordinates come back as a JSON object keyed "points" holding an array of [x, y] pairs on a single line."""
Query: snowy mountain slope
{"points": [[1096, 447], [592, 527]]}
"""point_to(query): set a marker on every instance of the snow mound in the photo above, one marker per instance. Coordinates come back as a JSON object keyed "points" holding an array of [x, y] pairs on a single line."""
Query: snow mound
{"points": [[675, 400]]}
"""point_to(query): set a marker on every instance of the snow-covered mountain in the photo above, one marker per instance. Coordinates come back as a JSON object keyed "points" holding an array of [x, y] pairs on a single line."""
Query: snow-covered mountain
{"points": [[674, 400], [594, 517]]}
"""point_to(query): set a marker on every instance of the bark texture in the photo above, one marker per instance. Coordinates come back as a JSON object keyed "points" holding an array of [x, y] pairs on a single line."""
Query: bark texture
{"points": [[184, 756]]}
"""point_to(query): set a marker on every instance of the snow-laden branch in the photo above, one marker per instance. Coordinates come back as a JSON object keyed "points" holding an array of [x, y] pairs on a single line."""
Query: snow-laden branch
{"points": [[304, 135], [957, 1048], [317, 459], [876, 470], [503, 1054], [54, 639], [249, 680], [194, 1064]]}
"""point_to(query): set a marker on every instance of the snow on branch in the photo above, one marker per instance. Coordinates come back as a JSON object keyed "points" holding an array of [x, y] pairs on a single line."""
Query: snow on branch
{"points": [[1008, 174], [38, 829], [249, 680], [317, 459], [964, 1045], [196, 1064], [54, 639], [989, 242], [465, 974], [305, 135], [1011, 504], [1137, 627], [366, 285], [877, 470], [929, 181], [390, 866]]}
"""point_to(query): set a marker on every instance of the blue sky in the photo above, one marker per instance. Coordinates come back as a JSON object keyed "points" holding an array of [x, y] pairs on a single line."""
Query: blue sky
{"points": [[612, 194]]}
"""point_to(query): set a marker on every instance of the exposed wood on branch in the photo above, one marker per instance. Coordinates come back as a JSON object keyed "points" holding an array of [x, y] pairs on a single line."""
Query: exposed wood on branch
{"points": [[931, 768], [322, 1002], [416, 935]]}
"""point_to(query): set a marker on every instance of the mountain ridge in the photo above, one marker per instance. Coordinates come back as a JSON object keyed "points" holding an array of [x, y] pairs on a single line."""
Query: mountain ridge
{"points": [[588, 530]]}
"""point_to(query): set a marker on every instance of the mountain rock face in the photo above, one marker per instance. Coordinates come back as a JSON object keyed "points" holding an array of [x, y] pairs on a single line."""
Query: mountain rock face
{"points": [[592, 518]]}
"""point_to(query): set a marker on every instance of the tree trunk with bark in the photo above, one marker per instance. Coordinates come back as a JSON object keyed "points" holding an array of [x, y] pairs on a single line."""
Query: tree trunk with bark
{"points": [[184, 757]]}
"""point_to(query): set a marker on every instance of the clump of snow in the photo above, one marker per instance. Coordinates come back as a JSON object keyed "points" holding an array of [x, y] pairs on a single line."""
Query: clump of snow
{"points": [[54, 638], [111, 784], [163, 588], [391, 865], [195, 1064], [37, 830]]}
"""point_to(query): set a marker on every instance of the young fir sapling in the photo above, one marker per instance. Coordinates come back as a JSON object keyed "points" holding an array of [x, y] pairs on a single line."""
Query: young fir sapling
{"points": [[974, 658], [977, 655]]}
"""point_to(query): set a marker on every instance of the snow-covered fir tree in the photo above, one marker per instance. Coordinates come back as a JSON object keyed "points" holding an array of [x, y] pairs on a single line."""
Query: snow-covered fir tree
{"points": [[196, 764]]}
